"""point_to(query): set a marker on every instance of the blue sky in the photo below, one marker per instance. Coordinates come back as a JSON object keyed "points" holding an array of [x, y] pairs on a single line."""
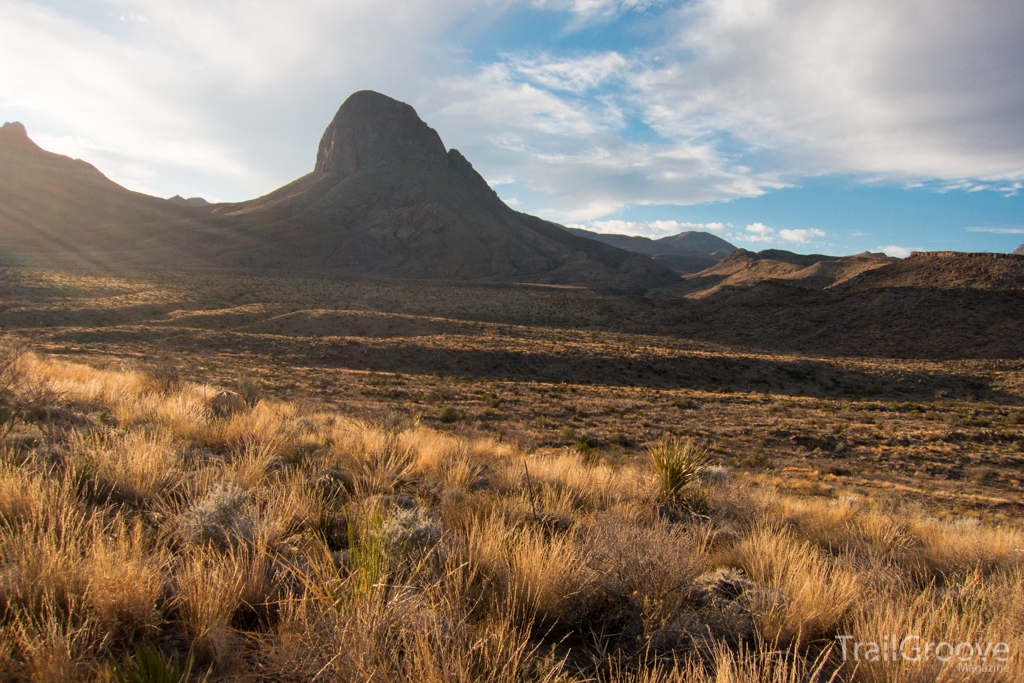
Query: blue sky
{"points": [[819, 125]]}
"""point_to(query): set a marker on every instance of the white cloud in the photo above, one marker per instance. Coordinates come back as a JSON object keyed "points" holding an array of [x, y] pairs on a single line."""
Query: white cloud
{"points": [[571, 152], [925, 88], [800, 235], [759, 232], [998, 231], [593, 11], [899, 252], [232, 95], [576, 75]]}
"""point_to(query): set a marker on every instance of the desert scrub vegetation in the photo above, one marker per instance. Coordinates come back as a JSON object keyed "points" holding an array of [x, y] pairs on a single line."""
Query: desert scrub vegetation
{"points": [[143, 538]]}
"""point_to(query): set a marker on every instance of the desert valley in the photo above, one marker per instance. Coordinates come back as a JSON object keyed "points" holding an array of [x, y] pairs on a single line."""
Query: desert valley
{"points": [[378, 425]]}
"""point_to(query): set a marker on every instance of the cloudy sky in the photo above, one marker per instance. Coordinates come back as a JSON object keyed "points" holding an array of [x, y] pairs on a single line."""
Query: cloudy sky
{"points": [[811, 125]]}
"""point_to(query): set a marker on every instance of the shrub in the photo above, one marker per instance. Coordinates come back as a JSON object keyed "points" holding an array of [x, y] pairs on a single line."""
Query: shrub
{"points": [[249, 389], [10, 354], [620, 439], [677, 464], [448, 415], [218, 519], [165, 374]]}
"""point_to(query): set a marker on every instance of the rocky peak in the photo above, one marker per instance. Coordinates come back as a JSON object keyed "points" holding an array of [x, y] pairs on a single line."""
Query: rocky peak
{"points": [[14, 128], [1019, 250], [372, 130]]}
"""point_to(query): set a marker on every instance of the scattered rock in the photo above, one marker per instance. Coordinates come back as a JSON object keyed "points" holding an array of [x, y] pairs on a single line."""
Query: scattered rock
{"points": [[721, 584], [225, 403], [348, 480]]}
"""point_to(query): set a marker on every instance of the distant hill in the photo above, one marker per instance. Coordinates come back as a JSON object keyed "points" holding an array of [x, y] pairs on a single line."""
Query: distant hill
{"points": [[191, 201], [687, 252], [744, 268], [934, 270], [1019, 250], [385, 197]]}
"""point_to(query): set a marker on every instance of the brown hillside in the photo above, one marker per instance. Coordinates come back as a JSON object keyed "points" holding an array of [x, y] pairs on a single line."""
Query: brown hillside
{"points": [[949, 270], [743, 268]]}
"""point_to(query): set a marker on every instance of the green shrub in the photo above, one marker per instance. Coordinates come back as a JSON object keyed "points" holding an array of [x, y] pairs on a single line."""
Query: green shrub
{"points": [[677, 464], [249, 389], [448, 415], [620, 439]]}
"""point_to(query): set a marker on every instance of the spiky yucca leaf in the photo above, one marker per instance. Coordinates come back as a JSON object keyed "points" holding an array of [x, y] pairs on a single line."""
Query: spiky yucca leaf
{"points": [[677, 464]]}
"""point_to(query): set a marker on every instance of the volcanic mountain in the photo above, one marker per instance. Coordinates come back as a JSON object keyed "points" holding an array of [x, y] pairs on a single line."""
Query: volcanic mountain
{"points": [[385, 197]]}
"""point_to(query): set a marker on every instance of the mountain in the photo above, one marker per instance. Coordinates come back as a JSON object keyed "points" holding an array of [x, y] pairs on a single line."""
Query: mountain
{"points": [[54, 209], [385, 197], [687, 252], [1019, 251], [191, 201]]}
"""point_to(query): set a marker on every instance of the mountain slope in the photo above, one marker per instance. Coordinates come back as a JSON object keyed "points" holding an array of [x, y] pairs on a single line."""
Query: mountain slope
{"points": [[57, 209], [385, 197], [936, 270]]}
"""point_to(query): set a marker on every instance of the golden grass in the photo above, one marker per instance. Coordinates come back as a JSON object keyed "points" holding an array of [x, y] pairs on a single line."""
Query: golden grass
{"points": [[290, 542]]}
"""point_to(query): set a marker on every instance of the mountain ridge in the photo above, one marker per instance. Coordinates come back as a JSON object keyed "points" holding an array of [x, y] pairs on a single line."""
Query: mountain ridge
{"points": [[384, 197]]}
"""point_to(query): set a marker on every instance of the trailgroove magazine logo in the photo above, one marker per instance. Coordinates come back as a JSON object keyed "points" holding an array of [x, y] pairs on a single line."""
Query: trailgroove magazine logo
{"points": [[970, 657]]}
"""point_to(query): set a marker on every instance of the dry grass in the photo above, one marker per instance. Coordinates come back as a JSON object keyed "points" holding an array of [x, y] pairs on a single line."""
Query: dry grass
{"points": [[289, 542]]}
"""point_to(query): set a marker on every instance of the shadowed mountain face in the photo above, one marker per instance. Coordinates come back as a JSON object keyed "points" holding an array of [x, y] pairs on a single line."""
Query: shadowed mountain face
{"points": [[688, 252], [385, 197], [58, 210], [371, 130]]}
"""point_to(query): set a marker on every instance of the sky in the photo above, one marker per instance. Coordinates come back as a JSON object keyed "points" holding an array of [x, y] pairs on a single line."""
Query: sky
{"points": [[811, 125]]}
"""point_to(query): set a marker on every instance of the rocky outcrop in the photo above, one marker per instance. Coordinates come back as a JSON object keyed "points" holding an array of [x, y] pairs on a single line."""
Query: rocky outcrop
{"points": [[372, 130], [14, 128]]}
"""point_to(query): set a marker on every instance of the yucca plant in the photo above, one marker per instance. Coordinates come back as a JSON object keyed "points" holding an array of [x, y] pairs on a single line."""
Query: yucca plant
{"points": [[677, 464], [149, 665]]}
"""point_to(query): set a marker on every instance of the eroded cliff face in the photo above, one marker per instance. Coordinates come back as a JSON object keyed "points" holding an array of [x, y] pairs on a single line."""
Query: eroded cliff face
{"points": [[372, 130]]}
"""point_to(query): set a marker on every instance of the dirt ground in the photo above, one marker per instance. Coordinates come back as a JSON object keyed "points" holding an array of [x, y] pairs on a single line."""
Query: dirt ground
{"points": [[555, 368]]}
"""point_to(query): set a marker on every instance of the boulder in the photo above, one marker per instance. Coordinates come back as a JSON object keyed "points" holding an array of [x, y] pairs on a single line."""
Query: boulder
{"points": [[225, 403]]}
